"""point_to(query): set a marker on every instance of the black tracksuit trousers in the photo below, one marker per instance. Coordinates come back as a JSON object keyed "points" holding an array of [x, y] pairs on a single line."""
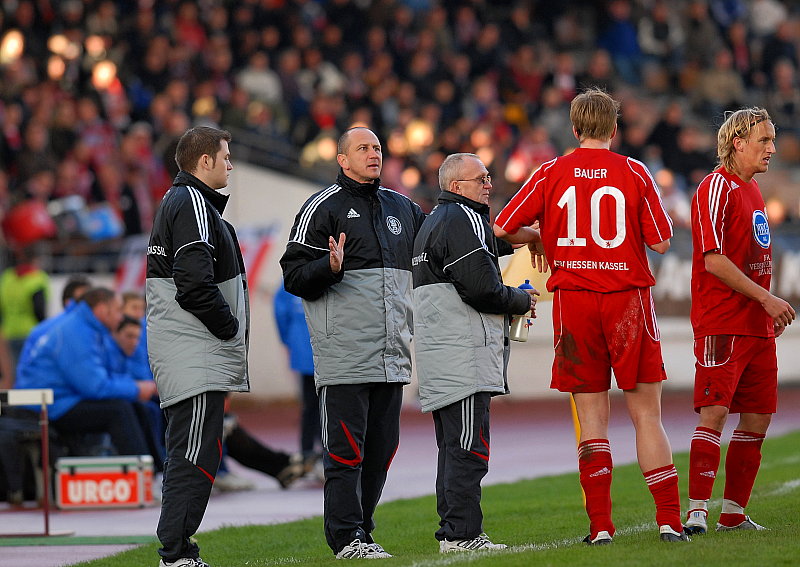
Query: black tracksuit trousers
{"points": [[194, 451], [360, 433], [462, 436]]}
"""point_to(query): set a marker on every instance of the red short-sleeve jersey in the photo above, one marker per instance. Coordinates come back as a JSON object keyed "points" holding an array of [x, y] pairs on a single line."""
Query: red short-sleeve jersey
{"points": [[728, 217], [596, 211]]}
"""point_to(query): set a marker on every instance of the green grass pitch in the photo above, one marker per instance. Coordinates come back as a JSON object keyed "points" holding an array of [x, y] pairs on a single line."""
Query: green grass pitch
{"points": [[543, 522]]}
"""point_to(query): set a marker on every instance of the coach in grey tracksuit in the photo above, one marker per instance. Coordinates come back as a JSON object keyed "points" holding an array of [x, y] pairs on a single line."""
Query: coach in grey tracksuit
{"points": [[197, 331], [349, 258], [461, 327]]}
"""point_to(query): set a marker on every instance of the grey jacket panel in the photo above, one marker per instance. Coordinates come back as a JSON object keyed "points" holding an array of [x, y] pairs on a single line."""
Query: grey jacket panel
{"points": [[193, 360], [459, 350], [360, 328]]}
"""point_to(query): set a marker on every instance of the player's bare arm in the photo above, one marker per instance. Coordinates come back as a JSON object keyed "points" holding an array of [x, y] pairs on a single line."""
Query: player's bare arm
{"points": [[660, 247], [720, 266], [523, 236], [337, 252], [531, 237]]}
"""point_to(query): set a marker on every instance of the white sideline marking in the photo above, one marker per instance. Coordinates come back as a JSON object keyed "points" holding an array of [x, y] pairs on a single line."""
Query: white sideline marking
{"points": [[274, 561], [468, 557], [785, 488], [786, 461]]}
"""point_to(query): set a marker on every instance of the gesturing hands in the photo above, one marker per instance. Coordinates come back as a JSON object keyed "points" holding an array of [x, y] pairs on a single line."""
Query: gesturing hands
{"points": [[337, 252]]}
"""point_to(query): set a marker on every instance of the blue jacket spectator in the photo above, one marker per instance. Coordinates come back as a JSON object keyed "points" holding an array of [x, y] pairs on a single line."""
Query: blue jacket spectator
{"points": [[135, 365], [70, 357], [291, 321]]}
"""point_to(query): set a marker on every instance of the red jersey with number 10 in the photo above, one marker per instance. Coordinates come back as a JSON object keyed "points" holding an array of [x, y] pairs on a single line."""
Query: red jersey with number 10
{"points": [[596, 211], [728, 217]]}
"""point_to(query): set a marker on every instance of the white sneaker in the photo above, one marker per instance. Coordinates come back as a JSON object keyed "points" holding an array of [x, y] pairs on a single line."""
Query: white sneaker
{"points": [[358, 549], [184, 562], [230, 482], [480, 543], [696, 522], [378, 550]]}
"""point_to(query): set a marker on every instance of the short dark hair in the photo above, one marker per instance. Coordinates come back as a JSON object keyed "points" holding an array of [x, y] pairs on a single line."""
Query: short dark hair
{"points": [[72, 285], [127, 320], [97, 295], [196, 142]]}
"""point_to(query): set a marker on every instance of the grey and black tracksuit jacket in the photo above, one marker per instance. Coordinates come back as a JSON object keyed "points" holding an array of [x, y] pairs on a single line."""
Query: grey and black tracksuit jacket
{"points": [[197, 304], [198, 320], [461, 306], [359, 319]]}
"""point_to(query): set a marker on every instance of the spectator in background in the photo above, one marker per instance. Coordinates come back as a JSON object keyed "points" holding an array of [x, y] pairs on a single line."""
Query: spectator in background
{"points": [[293, 331], [742, 52], [765, 16], [719, 88], [138, 365], [599, 72], [703, 39], [134, 307], [783, 101], [24, 289], [660, 34], [664, 135], [70, 358], [779, 46], [618, 36], [35, 154], [244, 448], [121, 349]]}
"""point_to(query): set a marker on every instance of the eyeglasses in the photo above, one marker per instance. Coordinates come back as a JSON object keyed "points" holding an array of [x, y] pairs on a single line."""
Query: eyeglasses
{"points": [[483, 179]]}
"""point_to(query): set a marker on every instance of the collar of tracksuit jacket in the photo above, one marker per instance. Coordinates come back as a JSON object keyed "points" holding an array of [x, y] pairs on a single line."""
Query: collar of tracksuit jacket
{"points": [[479, 208], [217, 199], [363, 189]]}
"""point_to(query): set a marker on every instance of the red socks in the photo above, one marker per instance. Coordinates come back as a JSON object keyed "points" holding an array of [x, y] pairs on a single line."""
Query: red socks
{"points": [[595, 466], [741, 468], [703, 462], [663, 485]]}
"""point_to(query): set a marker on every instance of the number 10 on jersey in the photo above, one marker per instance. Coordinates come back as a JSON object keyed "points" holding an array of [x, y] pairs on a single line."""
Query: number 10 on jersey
{"points": [[569, 200]]}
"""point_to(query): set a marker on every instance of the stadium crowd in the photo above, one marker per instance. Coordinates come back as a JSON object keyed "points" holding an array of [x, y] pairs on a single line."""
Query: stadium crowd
{"points": [[95, 93]]}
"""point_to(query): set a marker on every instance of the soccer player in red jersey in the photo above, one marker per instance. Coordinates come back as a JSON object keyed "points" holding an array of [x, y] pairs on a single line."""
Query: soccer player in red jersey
{"points": [[735, 319], [597, 210]]}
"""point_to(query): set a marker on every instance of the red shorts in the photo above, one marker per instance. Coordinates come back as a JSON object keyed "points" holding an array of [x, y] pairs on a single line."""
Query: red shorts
{"points": [[596, 332], [736, 371]]}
